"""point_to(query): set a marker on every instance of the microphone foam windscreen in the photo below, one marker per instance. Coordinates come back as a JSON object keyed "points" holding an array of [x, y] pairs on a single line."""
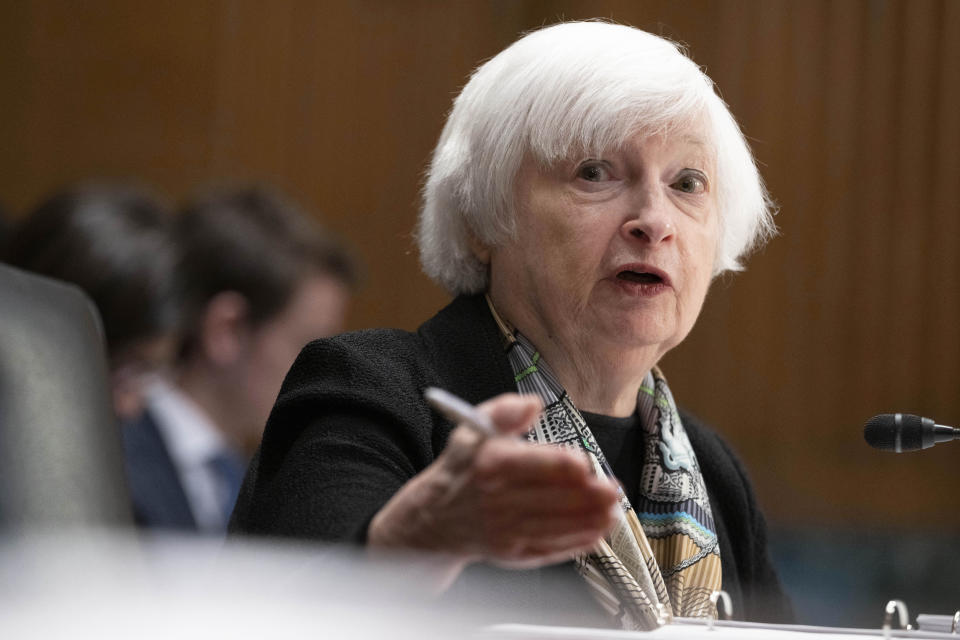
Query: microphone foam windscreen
{"points": [[881, 431]]}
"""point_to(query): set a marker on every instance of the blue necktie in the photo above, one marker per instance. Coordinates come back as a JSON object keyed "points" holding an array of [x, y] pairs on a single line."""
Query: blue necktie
{"points": [[229, 468]]}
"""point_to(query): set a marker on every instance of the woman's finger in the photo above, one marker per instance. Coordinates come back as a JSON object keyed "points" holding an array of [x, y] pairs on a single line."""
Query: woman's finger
{"points": [[554, 528], [512, 413], [551, 501], [512, 463], [537, 553]]}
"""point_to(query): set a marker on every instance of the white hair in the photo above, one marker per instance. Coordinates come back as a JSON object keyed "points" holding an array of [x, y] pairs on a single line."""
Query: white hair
{"points": [[573, 87]]}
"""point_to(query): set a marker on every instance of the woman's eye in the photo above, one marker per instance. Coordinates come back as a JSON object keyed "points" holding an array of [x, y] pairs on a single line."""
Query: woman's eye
{"points": [[593, 172], [690, 183]]}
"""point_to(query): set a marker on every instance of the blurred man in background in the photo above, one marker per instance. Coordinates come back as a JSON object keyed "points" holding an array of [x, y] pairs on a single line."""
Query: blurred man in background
{"points": [[260, 281], [115, 242]]}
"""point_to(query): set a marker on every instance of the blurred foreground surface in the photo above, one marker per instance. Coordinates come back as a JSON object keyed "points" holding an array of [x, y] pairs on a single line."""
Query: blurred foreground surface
{"points": [[87, 584]]}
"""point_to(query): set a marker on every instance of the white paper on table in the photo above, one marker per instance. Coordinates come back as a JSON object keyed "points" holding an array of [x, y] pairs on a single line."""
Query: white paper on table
{"points": [[698, 630]]}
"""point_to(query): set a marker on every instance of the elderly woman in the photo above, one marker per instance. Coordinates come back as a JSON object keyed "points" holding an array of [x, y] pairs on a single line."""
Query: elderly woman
{"points": [[587, 187]]}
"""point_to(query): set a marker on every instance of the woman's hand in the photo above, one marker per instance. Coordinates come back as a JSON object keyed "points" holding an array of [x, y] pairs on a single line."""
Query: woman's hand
{"points": [[500, 499]]}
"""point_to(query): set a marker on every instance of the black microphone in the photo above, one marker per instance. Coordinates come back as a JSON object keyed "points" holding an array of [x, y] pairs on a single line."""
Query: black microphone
{"points": [[905, 432]]}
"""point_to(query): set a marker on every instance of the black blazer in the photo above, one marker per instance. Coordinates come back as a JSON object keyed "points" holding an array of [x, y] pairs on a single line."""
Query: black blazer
{"points": [[350, 427]]}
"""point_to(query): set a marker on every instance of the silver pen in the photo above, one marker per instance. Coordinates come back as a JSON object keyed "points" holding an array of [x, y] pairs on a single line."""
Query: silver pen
{"points": [[459, 411]]}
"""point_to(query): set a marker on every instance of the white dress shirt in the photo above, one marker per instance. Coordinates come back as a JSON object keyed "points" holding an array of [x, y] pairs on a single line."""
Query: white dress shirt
{"points": [[192, 441]]}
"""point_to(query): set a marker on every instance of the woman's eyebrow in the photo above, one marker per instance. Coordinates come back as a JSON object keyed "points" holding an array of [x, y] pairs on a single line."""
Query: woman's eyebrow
{"points": [[705, 150], [696, 140]]}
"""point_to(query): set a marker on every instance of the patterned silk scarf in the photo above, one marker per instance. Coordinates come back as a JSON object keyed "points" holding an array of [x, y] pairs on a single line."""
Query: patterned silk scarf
{"points": [[662, 558]]}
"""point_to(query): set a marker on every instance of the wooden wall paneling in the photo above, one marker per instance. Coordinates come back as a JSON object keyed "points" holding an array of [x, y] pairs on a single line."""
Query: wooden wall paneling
{"points": [[429, 55], [255, 83], [14, 38], [912, 375], [341, 107], [829, 424], [896, 221], [103, 83], [910, 198], [840, 228], [406, 63], [765, 297], [942, 285], [869, 303], [780, 107]]}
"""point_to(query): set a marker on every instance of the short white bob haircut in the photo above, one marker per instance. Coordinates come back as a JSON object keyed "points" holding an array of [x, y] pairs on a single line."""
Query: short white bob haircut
{"points": [[575, 87]]}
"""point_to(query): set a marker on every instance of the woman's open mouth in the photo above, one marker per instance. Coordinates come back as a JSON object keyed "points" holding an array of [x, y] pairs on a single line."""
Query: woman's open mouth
{"points": [[643, 281], [643, 277]]}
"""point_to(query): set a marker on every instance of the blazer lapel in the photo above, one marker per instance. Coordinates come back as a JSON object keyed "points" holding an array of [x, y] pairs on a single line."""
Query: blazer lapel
{"points": [[159, 500]]}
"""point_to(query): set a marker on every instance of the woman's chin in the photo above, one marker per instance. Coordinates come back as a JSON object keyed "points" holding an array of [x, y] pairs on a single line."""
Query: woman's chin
{"points": [[643, 332], [637, 320]]}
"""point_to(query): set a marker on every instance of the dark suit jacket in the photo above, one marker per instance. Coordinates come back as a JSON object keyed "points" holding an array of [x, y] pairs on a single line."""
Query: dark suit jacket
{"points": [[350, 428], [159, 501]]}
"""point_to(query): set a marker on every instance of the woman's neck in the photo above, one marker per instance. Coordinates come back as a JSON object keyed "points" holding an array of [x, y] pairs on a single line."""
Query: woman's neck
{"points": [[599, 378]]}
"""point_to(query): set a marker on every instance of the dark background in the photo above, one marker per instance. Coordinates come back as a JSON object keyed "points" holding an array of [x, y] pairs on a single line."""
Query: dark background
{"points": [[852, 110]]}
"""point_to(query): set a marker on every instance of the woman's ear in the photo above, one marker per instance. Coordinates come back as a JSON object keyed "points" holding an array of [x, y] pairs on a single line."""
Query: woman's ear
{"points": [[480, 249]]}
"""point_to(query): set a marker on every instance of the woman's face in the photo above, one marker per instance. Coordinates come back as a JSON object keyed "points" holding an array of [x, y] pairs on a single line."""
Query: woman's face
{"points": [[616, 251]]}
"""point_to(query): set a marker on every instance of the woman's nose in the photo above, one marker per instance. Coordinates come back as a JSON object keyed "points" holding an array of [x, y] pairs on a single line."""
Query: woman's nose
{"points": [[649, 218]]}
